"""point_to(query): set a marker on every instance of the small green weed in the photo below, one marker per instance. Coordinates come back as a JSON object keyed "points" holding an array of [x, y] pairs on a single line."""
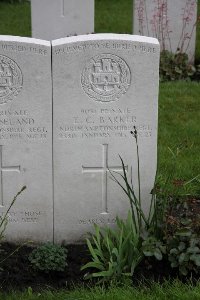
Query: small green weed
{"points": [[48, 257]]}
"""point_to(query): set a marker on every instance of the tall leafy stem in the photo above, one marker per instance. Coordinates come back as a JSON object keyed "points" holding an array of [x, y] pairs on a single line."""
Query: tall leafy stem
{"points": [[3, 220], [138, 215]]}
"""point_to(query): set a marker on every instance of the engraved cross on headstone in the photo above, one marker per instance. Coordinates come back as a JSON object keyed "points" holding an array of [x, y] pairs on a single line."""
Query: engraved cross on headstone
{"points": [[104, 170], [5, 169], [63, 7]]}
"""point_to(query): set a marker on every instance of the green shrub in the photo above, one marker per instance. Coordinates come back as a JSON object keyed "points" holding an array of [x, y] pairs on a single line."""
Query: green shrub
{"points": [[48, 257]]}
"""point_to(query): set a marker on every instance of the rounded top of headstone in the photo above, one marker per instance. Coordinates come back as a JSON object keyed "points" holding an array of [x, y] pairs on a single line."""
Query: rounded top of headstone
{"points": [[105, 36], [11, 38]]}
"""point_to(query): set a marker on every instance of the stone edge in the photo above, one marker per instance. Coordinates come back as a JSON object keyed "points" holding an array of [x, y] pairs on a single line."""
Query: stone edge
{"points": [[106, 36], [19, 39]]}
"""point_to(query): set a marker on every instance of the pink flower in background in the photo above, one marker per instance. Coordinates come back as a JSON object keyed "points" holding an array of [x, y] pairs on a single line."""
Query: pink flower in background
{"points": [[140, 6], [157, 21], [160, 22], [186, 33]]}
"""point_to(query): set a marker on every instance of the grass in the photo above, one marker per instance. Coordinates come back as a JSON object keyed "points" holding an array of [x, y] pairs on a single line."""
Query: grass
{"points": [[149, 291], [113, 16], [15, 18], [179, 115]]}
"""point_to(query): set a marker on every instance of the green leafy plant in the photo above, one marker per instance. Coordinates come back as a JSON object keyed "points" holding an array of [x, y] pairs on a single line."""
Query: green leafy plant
{"points": [[48, 257], [184, 251], [175, 66], [117, 252], [114, 252], [182, 237], [153, 247]]}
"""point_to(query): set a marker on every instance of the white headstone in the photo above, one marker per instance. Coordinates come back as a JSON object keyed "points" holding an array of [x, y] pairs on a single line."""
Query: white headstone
{"points": [[103, 85], [26, 137], [53, 19], [173, 23]]}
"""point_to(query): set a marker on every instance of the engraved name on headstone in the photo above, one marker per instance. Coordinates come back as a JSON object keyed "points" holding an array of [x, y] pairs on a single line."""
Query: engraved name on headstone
{"points": [[53, 19], [103, 86], [26, 137], [173, 23]]}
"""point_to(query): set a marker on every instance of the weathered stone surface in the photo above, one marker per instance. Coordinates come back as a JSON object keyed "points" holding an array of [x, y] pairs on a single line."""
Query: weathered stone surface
{"points": [[172, 22], [26, 137], [53, 19], [103, 86]]}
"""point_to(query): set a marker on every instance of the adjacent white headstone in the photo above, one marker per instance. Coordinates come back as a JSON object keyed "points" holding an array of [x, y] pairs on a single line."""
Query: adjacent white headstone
{"points": [[103, 85], [53, 19], [173, 23], [26, 137]]}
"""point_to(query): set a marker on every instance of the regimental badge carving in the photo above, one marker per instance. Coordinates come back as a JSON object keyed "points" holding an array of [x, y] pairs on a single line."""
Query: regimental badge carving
{"points": [[11, 79], [106, 78]]}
